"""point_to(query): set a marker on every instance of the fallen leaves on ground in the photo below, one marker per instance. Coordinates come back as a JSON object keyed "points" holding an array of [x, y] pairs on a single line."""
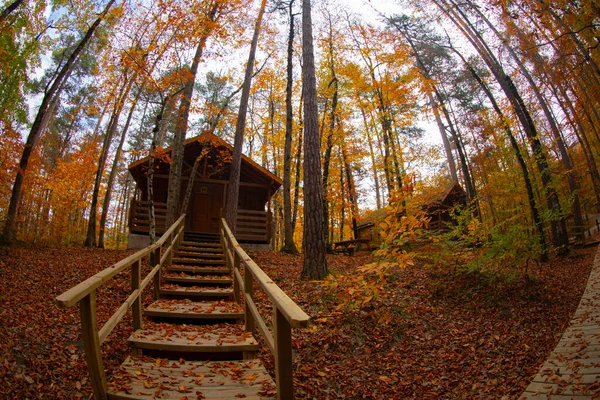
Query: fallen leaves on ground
{"points": [[41, 351], [430, 332]]}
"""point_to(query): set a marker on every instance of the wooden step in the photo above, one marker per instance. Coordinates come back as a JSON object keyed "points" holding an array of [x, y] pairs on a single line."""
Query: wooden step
{"points": [[187, 309], [192, 261], [203, 255], [196, 249], [147, 378], [219, 338], [174, 290], [198, 270], [186, 279], [188, 243]]}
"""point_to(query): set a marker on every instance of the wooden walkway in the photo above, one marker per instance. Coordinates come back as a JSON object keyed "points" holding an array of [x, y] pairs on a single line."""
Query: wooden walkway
{"points": [[572, 371], [197, 339]]}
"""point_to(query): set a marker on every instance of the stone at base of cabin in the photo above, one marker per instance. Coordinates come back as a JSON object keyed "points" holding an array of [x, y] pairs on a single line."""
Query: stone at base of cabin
{"points": [[136, 241], [256, 246]]}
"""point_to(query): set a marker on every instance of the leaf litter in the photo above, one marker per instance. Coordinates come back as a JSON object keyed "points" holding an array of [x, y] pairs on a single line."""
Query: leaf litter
{"points": [[427, 332]]}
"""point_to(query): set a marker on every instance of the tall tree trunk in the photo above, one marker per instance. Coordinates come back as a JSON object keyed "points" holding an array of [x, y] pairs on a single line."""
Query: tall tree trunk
{"points": [[372, 153], [562, 148], [288, 246], [181, 126], [9, 9], [558, 225], [469, 187], [342, 199], [351, 190], [191, 180], [233, 189], [113, 172], [313, 243], [150, 177], [568, 31], [535, 215], [575, 121], [90, 239], [297, 181], [445, 141], [38, 124]]}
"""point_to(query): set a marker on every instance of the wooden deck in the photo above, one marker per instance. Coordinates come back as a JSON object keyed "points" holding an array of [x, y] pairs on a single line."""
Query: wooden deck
{"points": [[572, 371], [197, 339]]}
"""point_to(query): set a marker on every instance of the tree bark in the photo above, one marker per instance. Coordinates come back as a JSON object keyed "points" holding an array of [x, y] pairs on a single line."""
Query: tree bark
{"points": [[288, 246], [558, 225], [150, 178], [351, 190], [372, 153], [9, 9], [564, 155], [181, 125], [233, 189], [297, 181], [535, 215], [113, 172], [90, 239], [313, 243], [445, 141]]}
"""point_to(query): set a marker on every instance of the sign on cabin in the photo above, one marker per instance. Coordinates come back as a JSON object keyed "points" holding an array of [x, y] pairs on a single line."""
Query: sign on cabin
{"points": [[208, 195]]}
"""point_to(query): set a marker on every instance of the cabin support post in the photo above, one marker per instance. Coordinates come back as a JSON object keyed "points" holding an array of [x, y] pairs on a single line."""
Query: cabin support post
{"points": [[91, 345], [283, 356], [136, 307]]}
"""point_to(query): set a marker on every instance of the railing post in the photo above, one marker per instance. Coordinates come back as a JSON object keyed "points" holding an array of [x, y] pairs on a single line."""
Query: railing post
{"points": [[248, 291], [171, 248], [91, 344], [180, 237], [155, 259], [136, 307], [234, 267], [283, 356]]}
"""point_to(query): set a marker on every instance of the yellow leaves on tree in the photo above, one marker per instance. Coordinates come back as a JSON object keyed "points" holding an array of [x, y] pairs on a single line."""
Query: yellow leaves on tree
{"points": [[69, 191], [404, 221]]}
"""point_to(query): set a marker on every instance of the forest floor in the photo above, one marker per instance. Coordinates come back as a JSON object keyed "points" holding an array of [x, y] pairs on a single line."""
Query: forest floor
{"points": [[432, 330]]}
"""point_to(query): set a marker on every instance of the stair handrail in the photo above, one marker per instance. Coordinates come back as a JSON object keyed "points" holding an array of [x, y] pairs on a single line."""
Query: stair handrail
{"points": [[85, 294], [286, 313]]}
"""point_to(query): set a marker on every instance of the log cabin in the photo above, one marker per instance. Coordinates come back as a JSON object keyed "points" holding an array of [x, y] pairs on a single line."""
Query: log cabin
{"points": [[438, 204], [208, 193]]}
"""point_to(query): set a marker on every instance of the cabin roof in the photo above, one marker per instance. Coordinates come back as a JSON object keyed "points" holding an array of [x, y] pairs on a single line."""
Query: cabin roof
{"points": [[253, 171], [431, 201], [373, 217], [437, 197]]}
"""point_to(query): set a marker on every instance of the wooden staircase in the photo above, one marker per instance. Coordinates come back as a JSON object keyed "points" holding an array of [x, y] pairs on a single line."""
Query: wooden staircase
{"points": [[196, 340]]}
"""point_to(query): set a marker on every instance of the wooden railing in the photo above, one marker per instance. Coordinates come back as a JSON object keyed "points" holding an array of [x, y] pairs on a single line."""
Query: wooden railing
{"points": [[252, 226], [286, 313], [85, 295], [139, 216]]}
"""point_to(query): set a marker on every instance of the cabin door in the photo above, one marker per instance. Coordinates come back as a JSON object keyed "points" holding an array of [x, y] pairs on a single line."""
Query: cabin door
{"points": [[202, 213]]}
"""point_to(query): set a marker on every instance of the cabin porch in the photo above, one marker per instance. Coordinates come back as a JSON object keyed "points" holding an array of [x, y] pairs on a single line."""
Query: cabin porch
{"points": [[253, 227]]}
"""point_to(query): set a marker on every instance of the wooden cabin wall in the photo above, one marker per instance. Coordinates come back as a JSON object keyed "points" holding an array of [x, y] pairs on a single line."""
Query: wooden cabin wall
{"points": [[252, 198]]}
